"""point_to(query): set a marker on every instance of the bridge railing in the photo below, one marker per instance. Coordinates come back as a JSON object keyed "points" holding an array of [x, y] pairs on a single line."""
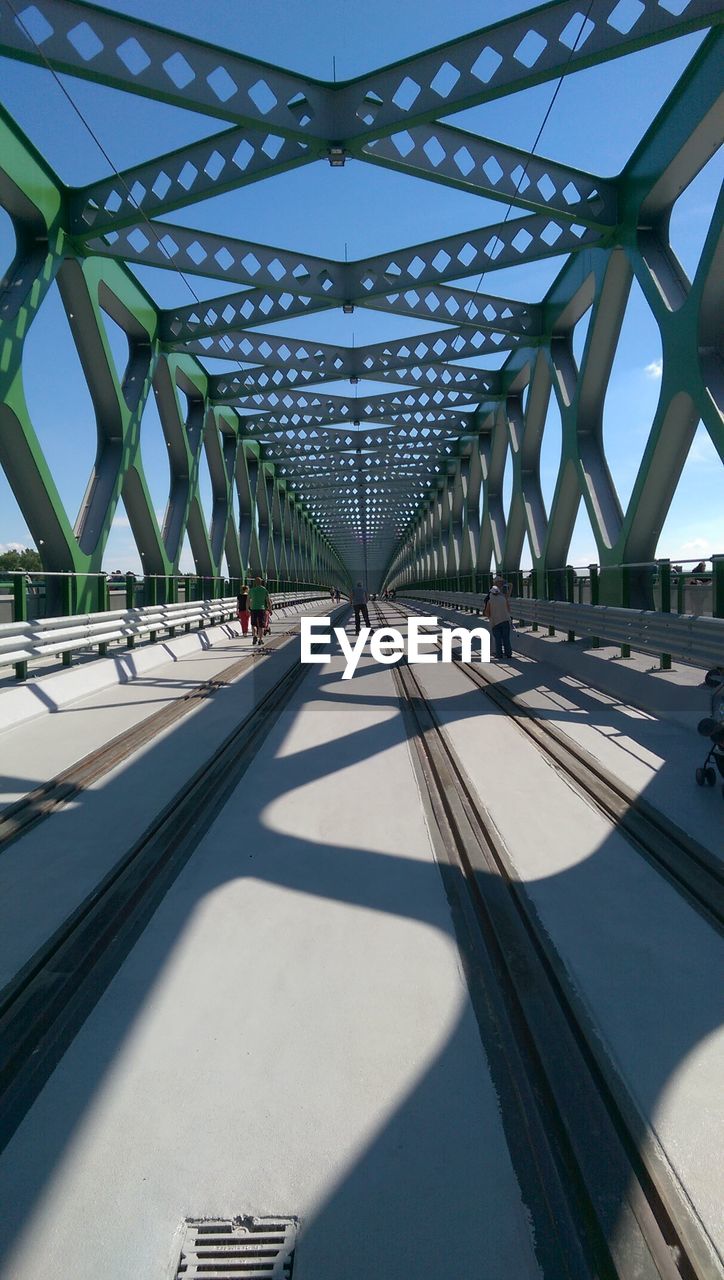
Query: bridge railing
{"points": [[687, 587], [688, 638], [25, 641]]}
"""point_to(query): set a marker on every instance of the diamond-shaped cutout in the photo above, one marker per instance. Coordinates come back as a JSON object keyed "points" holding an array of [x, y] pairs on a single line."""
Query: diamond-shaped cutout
{"points": [[214, 166], [576, 31], [137, 193], [34, 24], [486, 64], [520, 179], [197, 253], [402, 142], [571, 194], [434, 151], [262, 97], [464, 161], [85, 41], [406, 94], [250, 263], [625, 16], [492, 170], [168, 246], [546, 187], [551, 233], [445, 80], [493, 248], [188, 175], [522, 240], [276, 269], [161, 185], [272, 145], [221, 83], [530, 48], [224, 258], [441, 260], [138, 240], [178, 70], [243, 154], [467, 254], [133, 56]]}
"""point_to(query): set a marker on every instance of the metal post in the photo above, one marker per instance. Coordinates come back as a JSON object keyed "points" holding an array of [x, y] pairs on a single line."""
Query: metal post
{"points": [[665, 580], [66, 590], [551, 629], [593, 573], [717, 586], [150, 594], [570, 596], [130, 603], [188, 596], [20, 614], [626, 602], [103, 602]]}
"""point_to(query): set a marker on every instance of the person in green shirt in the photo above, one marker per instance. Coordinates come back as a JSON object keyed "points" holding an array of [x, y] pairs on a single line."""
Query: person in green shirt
{"points": [[259, 604]]}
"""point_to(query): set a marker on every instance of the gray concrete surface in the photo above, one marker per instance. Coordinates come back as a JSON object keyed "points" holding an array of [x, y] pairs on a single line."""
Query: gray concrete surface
{"points": [[291, 1034], [45, 874], [647, 967], [641, 725]]}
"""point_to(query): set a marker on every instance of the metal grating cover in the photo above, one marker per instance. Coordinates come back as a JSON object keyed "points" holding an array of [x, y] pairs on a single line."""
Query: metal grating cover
{"points": [[227, 1249]]}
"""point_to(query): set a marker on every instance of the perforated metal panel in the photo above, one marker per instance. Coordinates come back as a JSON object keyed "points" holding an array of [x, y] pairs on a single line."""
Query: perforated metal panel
{"points": [[228, 1248]]}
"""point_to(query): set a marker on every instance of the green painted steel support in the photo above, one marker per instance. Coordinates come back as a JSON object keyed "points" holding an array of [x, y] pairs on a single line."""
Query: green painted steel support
{"points": [[432, 507]]}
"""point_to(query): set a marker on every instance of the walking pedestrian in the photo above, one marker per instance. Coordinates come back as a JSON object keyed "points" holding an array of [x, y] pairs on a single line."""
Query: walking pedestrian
{"points": [[337, 596], [242, 608], [358, 600], [497, 610], [259, 605]]}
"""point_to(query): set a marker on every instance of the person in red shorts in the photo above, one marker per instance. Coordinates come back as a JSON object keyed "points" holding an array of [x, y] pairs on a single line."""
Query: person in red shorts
{"points": [[242, 608]]}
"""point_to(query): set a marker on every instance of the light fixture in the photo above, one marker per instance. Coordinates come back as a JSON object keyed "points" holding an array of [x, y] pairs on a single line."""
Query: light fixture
{"points": [[354, 380], [347, 307], [336, 156]]}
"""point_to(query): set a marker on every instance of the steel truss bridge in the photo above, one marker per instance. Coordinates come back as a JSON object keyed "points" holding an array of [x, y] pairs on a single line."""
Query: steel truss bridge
{"points": [[406, 485]]}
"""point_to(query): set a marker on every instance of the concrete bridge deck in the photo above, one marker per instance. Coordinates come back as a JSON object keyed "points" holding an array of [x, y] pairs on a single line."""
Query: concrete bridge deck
{"points": [[298, 1028]]}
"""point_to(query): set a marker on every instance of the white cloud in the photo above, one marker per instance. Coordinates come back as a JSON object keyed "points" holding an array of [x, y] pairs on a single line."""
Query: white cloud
{"points": [[120, 522], [654, 370], [702, 449], [13, 546]]}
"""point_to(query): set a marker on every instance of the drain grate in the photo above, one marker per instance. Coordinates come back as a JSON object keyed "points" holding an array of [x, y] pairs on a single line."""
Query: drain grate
{"points": [[229, 1248]]}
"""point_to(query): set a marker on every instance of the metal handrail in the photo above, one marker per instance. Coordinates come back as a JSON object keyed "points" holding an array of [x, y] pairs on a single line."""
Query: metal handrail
{"points": [[687, 637]]}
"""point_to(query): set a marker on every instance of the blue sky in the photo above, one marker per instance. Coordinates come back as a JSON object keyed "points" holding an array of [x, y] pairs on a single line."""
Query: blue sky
{"points": [[365, 210]]}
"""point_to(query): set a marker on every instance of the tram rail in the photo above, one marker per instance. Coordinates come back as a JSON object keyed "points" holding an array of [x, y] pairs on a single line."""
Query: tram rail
{"points": [[603, 1151], [22, 815], [694, 870], [49, 998]]}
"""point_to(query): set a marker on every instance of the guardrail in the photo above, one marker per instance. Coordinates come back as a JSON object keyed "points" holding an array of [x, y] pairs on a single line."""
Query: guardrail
{"points": [[21, 642], [687, 637]]}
